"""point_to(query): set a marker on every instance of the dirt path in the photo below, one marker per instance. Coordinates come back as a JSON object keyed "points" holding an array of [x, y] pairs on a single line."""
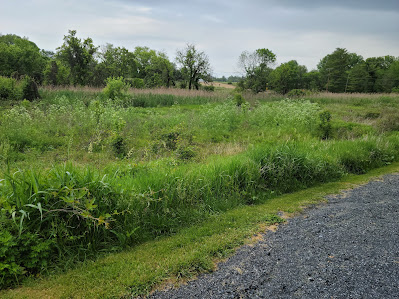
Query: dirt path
{"points": [[348, 248]]}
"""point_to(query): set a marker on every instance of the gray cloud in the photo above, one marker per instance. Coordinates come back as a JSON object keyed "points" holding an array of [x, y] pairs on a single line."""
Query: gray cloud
{"points": [[303, 30]]}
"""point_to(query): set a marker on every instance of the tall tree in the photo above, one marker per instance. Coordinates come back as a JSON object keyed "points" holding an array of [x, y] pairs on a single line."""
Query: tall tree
{"points": [[376, 68], [114, 62], [257, 67], [195, 66], [334, 69], [154, 67], [287, 76], [78, 55], [19, 56]]}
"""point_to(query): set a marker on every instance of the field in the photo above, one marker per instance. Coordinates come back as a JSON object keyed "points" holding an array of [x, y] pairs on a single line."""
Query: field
{"points": [[83, 176]]}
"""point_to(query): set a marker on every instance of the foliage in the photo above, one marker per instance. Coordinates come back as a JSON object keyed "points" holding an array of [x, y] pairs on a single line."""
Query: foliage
{"points": [[136, 173], [19, 57], [256, 66], [136, 83], [9, 89], [297, 93], [287, 76], [56, 73], [78, 55], [194, 66], [325, 125], [208, 88], [116, 88], [30, 90], [334, 69]]}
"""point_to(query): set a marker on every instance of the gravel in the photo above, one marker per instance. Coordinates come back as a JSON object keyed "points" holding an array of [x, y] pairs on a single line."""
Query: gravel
{"points": [[348, 248]]}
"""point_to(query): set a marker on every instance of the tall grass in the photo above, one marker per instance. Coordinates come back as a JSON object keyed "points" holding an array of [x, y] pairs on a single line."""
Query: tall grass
{"points": [[69, 213]]}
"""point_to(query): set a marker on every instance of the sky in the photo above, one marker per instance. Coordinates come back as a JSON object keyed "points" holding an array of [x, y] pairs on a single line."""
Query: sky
{"points": [[305, 30]]}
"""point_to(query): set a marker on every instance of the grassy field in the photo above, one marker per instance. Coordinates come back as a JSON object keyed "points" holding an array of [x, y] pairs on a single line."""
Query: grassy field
{"points": [[83, 177]]}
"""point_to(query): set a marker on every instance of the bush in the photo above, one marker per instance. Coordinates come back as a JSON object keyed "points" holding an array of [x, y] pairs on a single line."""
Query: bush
{"points": [[9, 89], [183, 85], [30, 91], [395, 89], [116, 88], [209, 88], [136, 83], [325, 125], [238, 99]]}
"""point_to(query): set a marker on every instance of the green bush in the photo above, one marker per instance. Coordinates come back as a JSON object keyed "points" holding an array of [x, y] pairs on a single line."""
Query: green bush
{"points": [[297, 93], [208, 88], [238, 99], [395, 89], [325, 124], [30, 91], [9, 89], [116, 88], [136, 83]]}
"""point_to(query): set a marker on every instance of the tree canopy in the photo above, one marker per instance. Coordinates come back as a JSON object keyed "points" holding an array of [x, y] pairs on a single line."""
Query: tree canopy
{"points": [[194, 66]]}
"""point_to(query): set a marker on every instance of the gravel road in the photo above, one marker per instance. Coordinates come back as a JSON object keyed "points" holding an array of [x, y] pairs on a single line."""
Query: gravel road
{"points": [[348, 248]]}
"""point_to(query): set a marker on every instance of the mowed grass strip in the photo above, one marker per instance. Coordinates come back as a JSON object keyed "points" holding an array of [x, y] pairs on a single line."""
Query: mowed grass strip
{"points": [[173, 259]]}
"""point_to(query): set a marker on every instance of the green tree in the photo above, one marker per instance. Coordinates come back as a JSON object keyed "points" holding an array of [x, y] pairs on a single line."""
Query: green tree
{"points": [[358, 79], [312, 80], [390, 78], [376, 68], [257, 67], [195, 66], [287, 76], [115, 62], [334, 69], [56, 73], [154, 67], [20, 57], [78, 55]]}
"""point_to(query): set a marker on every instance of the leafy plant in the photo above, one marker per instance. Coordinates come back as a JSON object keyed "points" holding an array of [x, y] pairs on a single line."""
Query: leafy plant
{"points": [[115, 88], [325, 127]]}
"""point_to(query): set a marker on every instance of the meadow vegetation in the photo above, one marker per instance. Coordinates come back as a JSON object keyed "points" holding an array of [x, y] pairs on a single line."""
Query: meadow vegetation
{"points": [[87, 171]]}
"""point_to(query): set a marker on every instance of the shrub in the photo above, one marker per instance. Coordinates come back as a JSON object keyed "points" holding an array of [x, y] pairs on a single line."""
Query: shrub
{"points": [[238, 99], [395, 89], [325, 125], [30, 91], [183, 85], [209, 88], [9, 89], [137, 83], [116, 88]]}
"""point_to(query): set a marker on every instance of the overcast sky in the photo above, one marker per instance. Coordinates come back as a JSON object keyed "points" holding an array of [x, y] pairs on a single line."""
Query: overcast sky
{"points": [[304, 30]]}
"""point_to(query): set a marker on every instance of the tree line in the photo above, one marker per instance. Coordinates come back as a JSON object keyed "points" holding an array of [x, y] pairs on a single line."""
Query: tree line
{"points": [[79, 62], [340, 71]]}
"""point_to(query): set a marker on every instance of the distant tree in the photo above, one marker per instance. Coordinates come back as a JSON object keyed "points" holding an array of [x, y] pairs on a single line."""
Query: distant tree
{"points": [[390, 78], [334, 69], [376, 68], [78, 55], [358, 79], [19, 57], [154, 67], [195, 66], [114, 62], [312, 80], [287, 76], [56, 73], [257, 67]]}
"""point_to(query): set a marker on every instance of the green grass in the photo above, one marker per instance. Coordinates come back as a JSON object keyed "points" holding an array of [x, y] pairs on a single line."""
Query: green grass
{"points": [[172, 259], [83, 176]]}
